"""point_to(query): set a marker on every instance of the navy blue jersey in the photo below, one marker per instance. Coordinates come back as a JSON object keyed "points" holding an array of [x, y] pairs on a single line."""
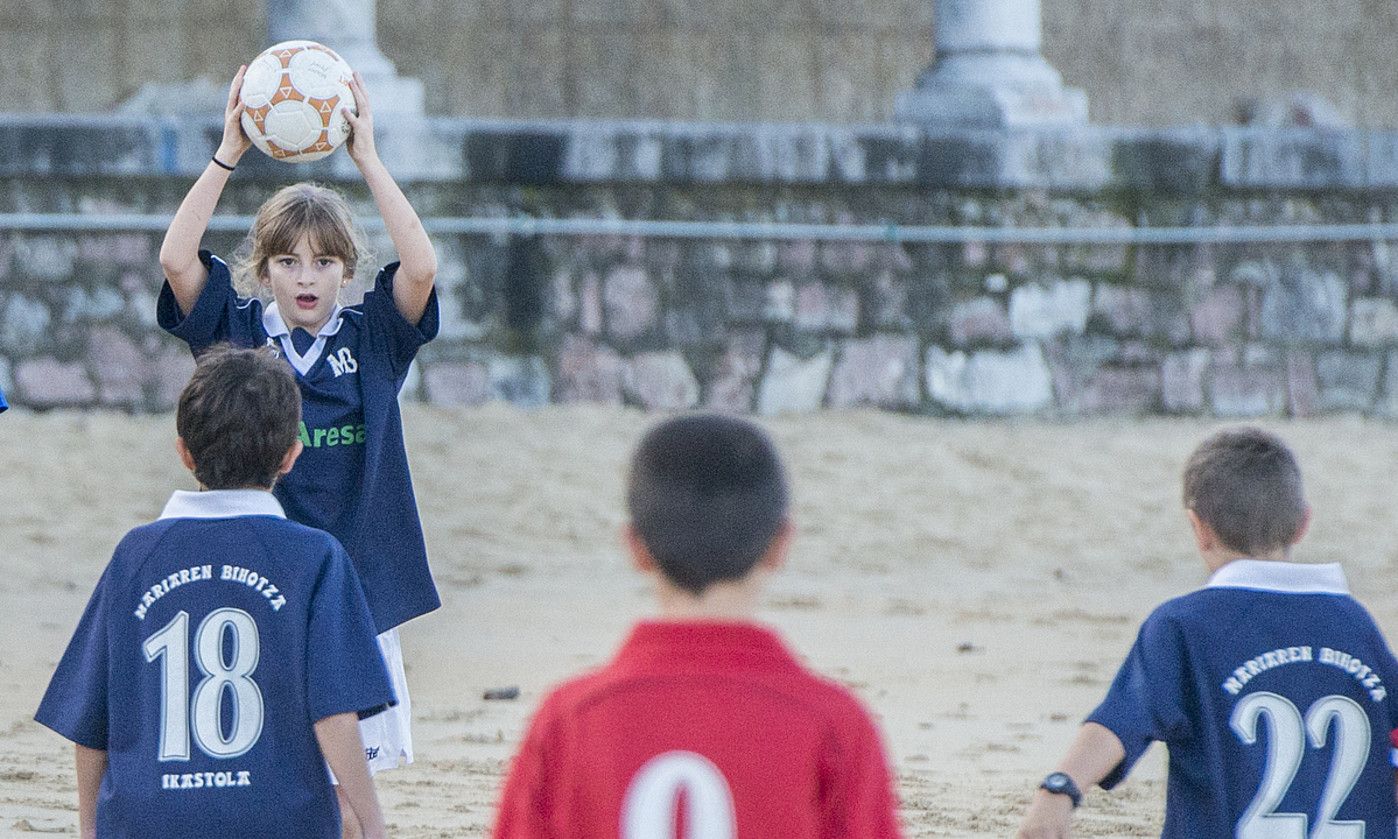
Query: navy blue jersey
{"points": [[352, 478], [1272, 689], [216, 637]]}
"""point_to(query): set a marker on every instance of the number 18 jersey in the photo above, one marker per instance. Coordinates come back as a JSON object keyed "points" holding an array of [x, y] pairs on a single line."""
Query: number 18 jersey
{"points": [[215, 639], [1273, 690]]}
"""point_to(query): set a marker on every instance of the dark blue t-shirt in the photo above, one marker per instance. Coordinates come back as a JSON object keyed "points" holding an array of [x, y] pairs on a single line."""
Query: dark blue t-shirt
{"points": [[216, 637], [1272, 689], [352, 478]]}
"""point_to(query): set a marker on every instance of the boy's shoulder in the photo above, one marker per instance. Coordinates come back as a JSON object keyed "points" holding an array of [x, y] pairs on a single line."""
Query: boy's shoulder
{"points": [[294, 542], [747, 658], [1249, 596]]}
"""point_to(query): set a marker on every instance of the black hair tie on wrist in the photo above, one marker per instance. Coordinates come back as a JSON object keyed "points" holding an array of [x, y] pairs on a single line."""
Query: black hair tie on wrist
{"points": [[221, 164]]}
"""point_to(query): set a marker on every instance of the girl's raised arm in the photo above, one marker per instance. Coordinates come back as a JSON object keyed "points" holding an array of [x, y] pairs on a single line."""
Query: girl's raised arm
{"points": [[179, 252], [412, 287]]}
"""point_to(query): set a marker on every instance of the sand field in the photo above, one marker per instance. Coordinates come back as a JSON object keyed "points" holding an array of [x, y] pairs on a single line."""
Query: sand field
{"points": [[976, 583]]}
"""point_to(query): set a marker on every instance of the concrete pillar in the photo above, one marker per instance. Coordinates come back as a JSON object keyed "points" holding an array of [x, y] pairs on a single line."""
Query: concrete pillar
{"points": [[349, 28], [988, 72]]}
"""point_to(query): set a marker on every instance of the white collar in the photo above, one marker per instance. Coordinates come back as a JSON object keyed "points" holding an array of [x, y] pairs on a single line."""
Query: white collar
{"points": [[222, 504], [276, 328], [1278, 575]]}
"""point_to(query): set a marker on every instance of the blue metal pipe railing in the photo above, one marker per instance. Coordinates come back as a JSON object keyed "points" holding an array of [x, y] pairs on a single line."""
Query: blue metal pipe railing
{"points": [[757, 231]]}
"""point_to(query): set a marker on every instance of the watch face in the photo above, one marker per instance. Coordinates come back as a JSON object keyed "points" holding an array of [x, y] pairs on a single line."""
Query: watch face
{"points": [[1057, 782]]}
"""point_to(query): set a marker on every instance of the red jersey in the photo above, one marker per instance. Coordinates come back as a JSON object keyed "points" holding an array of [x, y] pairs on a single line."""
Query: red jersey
{"points": [[700, 731]]}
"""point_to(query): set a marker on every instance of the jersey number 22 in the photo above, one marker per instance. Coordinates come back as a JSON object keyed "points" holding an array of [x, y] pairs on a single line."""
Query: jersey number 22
{"points": [[1285, 747]]}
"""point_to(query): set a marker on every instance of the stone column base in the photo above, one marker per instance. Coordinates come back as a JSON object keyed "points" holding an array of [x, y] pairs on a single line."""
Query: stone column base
{"points": [[394, 94], [992, 91]]}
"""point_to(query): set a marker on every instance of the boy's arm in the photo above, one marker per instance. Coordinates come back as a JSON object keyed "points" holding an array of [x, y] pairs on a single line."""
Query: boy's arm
{"points": [[526, 809], [417, 269], [91, 766], [858, 778], [179, 252], [1093, 755], [343, 749]]}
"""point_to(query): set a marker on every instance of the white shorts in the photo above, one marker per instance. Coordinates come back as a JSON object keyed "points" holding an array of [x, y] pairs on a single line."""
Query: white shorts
{"points": [[388, 735]]}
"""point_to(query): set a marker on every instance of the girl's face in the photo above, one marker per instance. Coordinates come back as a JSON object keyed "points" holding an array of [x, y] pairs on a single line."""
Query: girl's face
{"points": [[305, 285]]}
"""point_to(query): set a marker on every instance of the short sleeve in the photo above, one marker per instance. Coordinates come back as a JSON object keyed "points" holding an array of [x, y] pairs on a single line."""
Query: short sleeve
{"points": [[526, 808], [1145, 702], [344, 667], [389, 332], [218, 315], [857, 785], [75, 704]]}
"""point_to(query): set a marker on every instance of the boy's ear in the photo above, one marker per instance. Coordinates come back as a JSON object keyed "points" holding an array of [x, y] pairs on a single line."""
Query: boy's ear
{"points": [[1303, 527], [775, 557], [185, 457], [641, 558], [289, 460], [1204, 536]]}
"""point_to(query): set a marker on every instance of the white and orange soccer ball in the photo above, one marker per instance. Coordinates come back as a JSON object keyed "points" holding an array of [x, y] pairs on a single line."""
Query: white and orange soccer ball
{"points": [[293, 92]]}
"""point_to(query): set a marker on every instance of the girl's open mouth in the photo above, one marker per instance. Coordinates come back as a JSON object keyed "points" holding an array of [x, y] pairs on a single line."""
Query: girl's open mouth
{"points": [[306, 301]]}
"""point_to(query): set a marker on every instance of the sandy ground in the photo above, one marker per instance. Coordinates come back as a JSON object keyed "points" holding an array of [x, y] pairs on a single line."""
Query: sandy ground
{"points": [[975, 583]]}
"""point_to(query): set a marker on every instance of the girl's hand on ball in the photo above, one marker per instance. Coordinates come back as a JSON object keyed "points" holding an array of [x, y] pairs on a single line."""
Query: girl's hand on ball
{"points": [[235, 140], [361, 138]]}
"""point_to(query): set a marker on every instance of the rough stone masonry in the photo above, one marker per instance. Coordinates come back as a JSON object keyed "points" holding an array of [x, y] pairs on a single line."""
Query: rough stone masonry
{"points": [[773, 326]]}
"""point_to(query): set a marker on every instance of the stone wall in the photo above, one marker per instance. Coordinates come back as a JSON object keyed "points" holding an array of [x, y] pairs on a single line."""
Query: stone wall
{"points": [[772, 326], [1168, 62]]}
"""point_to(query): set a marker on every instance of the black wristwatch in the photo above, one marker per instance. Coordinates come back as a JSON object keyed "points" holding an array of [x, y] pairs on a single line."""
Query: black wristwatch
{"points": [[1059, 783]]}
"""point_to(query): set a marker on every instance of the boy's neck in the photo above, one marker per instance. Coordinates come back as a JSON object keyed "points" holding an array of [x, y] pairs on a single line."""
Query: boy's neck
{"points": [[733, 601], [1219, 557]]}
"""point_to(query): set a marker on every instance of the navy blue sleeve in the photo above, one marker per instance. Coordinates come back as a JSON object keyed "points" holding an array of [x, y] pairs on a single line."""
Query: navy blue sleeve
{"points": [[1145, 702], [390, 334], [344, 668], [75, 704], [219, 314]]}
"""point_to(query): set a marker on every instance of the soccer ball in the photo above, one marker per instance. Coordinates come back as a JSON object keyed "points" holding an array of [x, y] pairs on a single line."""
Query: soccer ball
{"points": [[293, 92]]}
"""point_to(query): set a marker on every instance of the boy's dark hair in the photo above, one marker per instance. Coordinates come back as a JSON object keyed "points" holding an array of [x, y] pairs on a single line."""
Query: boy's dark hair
{"points": [[1244, 483], [238, 416], [707, 495]]}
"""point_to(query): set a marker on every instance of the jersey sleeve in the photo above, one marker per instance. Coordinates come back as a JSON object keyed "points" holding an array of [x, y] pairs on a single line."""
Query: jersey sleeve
{"points": [[527, 806], [390, 334], [218, 315], [856, 783], [75, 704], [1146, 700], [344, 668]]}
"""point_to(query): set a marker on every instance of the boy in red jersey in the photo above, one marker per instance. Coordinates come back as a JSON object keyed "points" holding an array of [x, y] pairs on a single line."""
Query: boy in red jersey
{"points": [[703, 725]]}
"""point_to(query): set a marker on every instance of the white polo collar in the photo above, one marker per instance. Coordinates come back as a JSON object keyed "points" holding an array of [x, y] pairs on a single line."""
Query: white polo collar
{"points": [[1277, 575], [276, 328], [222, 504]]}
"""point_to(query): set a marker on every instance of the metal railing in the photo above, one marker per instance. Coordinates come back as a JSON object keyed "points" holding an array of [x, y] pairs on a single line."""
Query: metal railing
{"points": [[758, 231]]}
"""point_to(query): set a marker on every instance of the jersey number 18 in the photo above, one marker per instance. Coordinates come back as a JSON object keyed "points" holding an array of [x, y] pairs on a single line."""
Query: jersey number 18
{"points": [[224, 676]]}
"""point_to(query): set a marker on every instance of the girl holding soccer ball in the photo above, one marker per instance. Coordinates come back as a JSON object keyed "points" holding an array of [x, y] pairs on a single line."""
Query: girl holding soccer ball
{"points": [[350, 362]]}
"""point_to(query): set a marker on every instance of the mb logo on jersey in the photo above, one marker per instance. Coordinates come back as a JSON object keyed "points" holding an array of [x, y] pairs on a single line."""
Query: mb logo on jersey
{"points": [[342, 362]]}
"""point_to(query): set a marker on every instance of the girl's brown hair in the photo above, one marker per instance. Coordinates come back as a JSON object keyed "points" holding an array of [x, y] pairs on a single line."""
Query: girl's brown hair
{"points": [[303, 209]]}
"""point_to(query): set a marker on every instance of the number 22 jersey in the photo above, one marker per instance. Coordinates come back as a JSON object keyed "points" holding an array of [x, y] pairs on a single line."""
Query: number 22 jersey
{"points": [[1272, 689], [215, 639]]}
